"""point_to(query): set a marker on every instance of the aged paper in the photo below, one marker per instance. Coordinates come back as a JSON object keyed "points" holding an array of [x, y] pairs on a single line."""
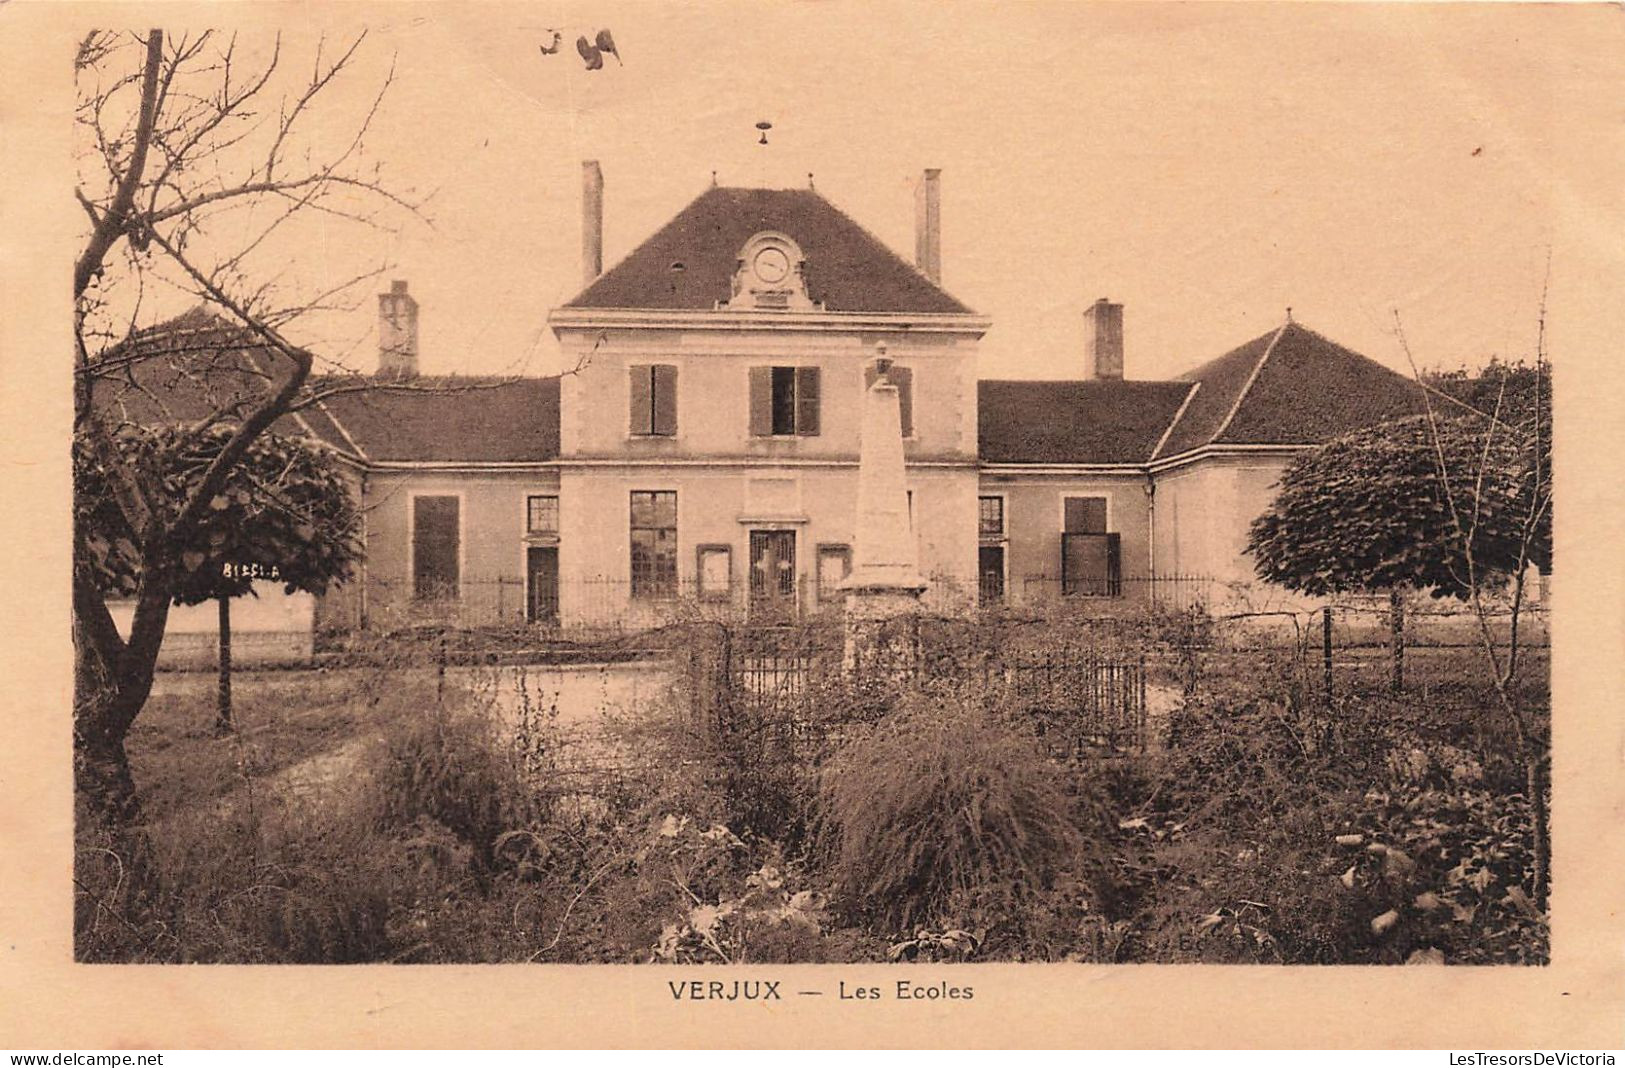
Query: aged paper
{"points": [[1213, 167]]}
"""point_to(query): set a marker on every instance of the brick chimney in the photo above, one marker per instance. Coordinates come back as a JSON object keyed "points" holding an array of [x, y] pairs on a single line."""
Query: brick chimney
{"points": [[397, 332], [1103, 339], [928, 224], [592, 221]]}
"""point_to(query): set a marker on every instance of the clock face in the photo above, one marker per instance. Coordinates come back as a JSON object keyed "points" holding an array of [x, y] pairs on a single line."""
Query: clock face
{"points": [[771, 265]]}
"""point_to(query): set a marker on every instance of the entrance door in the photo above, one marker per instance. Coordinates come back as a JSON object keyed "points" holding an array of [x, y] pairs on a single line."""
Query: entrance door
{"points": [[990, 573], [773, 573], [542, 571]]}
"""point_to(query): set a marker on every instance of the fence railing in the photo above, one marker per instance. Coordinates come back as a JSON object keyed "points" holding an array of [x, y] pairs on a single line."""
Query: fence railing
{"points": [[596, 603], [797, 686]]}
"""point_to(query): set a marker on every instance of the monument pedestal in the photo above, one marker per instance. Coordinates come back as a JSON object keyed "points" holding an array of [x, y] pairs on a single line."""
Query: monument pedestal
{"points": [[883, 591]]}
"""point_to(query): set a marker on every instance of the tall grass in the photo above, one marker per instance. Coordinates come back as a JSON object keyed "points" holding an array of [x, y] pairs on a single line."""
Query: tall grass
{"points": [[943, 809]]}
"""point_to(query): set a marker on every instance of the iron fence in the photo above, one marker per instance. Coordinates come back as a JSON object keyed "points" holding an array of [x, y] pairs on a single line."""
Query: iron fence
{"points": [[598, 603], [784, 692]]}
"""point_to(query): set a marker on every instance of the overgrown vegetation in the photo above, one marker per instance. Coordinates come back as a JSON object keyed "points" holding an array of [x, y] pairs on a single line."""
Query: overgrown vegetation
{"points": [[461, 818]]}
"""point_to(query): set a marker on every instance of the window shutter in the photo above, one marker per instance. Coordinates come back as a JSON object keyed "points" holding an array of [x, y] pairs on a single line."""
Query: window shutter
{"points": [[642, 401], [807, 400], [903, 379], [761, 402], [665, 399], [1114, 565]]}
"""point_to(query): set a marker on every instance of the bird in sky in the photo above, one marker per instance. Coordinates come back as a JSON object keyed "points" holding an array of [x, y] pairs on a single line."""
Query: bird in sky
{"points": [[593, 52]]}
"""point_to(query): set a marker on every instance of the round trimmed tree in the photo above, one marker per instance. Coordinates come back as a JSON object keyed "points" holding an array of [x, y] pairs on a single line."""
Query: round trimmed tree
{"points": [[284, 515], [1453, 506]]}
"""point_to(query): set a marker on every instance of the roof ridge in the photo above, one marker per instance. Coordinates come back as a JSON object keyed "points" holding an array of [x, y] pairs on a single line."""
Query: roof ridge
{"points": [[1248, 385], [1169, 431]]}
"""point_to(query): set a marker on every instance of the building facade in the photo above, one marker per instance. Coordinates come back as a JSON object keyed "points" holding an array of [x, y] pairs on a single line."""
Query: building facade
{"points": [[701, 454]]}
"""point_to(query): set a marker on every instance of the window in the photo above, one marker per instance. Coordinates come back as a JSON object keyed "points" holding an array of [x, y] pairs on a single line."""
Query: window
{"points": [[436, 548], [1091, 558], [714, 565], [653, 400], [654, 544], [834, 565], [784, 401], [903, 379], [541, 515], [990, 518]]}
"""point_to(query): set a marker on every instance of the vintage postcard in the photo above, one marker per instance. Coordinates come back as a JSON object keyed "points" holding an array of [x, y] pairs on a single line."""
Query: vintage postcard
{"points": [[813, 524]]}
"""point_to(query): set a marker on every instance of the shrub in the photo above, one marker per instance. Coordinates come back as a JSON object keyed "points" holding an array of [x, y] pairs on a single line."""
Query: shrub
{"points": [[943, 808], [452, 770]]}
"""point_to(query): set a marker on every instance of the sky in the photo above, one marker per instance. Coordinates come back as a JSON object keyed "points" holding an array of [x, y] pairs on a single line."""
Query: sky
{"points": [[1209, 166]]}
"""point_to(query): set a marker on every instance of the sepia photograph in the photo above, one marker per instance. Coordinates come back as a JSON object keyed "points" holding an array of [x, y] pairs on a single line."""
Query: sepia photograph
{"points": [[740, 487]]}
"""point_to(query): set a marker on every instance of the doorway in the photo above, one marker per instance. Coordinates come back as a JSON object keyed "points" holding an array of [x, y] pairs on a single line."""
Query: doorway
{"points": [[773, 574], [990, 573], [542, 575]]}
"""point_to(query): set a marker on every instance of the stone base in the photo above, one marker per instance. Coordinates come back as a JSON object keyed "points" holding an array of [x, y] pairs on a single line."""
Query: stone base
{"points": [[882, 633]]}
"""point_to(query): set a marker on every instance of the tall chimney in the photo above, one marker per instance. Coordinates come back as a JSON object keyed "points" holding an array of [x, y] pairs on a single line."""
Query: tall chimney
{"points": [[928, 224], [397, 332], [592, 221], [1103, 339]]}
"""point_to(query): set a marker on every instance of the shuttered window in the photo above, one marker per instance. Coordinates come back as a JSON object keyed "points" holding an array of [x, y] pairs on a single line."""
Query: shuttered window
{"points": [[784, 401], [653, 399], [903, 379], [436, 548]]}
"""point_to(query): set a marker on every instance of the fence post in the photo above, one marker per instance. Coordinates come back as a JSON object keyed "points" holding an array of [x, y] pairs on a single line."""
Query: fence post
{"points": [[1144, 717], [440, 670], [1326, 648], [1396, 624]]}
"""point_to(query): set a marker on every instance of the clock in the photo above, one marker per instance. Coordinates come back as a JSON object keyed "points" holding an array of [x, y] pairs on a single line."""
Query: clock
{"points": [[771, 265]]}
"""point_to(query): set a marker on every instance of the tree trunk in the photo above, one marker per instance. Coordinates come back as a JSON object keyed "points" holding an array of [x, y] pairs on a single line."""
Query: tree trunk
{"points": [[222, 720], [1535, 784], [1396, 625], [101, 768], [111, 682]]}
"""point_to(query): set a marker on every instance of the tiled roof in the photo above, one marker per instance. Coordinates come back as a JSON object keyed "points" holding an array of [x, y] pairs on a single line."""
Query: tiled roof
{"points": [[847, 268], [1094, 421], [189, 367], [456, 420], [1289, 387]]}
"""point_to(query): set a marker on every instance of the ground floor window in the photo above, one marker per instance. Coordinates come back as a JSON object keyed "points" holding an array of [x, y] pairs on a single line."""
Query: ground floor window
{"points": [[436, 548], [654, 544], [1091, 556]]}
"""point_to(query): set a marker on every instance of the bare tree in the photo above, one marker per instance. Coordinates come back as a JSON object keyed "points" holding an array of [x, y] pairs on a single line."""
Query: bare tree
{"points": [[1468, 494], [192, 163]]}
